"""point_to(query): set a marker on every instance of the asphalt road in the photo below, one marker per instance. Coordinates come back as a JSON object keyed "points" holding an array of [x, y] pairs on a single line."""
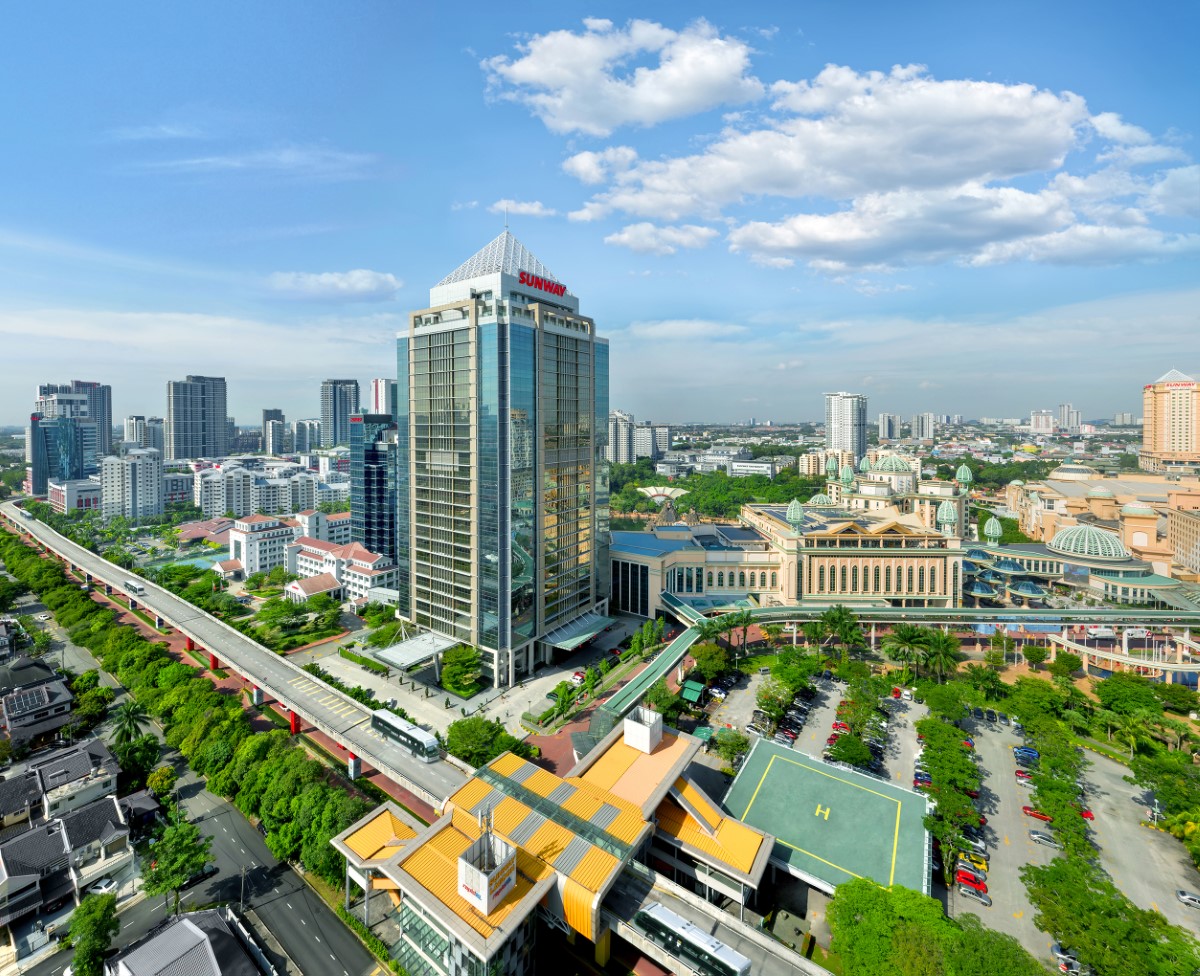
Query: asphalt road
{"points": [[1007, 837], [1145, 864], [329, 710]]}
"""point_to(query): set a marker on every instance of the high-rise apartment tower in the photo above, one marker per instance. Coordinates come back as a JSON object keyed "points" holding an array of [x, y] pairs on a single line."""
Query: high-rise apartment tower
{"points": [[339, 399], [1171, 424], [846, 423], [197, 423]]}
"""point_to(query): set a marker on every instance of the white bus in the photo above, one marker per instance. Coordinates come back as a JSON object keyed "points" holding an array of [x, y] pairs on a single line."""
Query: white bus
{"points": [[422, 744], [689, 942], [134, 587]]}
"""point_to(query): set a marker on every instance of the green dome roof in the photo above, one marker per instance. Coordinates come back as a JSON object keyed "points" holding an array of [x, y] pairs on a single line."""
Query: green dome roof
{"points": [[820, 498], [1017, 481], [1099, 493], [993, 529], [1136, 508], [847, 476], [864, 465], [893, 464], [831, 465], [947, 514], [795, 511], [1089, 542], [963, 475]]}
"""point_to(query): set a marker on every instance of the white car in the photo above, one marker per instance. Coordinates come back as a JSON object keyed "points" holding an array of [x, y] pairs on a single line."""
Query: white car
{"points": [[43, 616], [1189, 898], [105, 886], [1137, 633]]}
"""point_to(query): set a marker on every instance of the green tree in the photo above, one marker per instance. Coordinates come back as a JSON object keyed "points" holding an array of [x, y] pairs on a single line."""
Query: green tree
{"points": [[94, 924], [1133, 731], [138, 758], [906, 643], [161, 781], [130, 718], [179, 854], [1035, 655], [661, 698], [1176, 698], [941, 653], [711, 660], [477, 740], [460, 670], [1065, 664], [1126, 693], [773, 698], [852, 750], [730, 744]]}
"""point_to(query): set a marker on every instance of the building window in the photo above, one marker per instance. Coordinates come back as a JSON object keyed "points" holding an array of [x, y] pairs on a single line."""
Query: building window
{"points": [[932, 579], [854, 579], [843, 580], [875, 580], [910, 580], [741, 581], [773, 581], [921, 580], [710, 577], [887, 578], [720, 580], [762, 581]]}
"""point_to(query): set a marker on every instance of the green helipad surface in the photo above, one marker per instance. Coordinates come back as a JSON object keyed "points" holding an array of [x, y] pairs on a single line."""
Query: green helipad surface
{"points": [[830, 823]]}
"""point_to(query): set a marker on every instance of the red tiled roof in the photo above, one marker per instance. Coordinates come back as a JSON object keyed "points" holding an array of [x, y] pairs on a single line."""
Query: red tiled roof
{"points": [[257, 519], [308, 511], [313, 585], [229, 565], [337, 517]]}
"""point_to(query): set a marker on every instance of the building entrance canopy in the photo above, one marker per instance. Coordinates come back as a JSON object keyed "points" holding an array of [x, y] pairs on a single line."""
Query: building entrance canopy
{"points": [[578, 631], [415, 650]]}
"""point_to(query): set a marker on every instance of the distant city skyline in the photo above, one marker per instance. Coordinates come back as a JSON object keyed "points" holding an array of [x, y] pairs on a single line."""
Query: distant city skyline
{"points": [[749, 201]]}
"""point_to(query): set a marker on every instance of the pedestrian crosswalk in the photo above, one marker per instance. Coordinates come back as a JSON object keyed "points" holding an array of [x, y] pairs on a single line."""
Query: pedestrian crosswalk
{"points": [[334, 703]]}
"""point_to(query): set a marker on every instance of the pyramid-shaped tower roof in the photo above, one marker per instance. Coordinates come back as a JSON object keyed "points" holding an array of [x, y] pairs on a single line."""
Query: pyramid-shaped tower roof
{"points": [[1174, 376], [505, 255]]}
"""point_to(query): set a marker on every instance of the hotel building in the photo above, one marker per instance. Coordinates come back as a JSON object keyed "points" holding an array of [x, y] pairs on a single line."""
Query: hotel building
{"points": [[1171, 425], [502, 499]]}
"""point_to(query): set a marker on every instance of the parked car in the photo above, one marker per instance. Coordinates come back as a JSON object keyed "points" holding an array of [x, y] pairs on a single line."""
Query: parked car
{"points": [[203, 874], [1063, 954], [578, 678], [840, 727], [964, 867], [922, 777], [104, 886], [1046, 840], [990, 715], [1086, 813], [1189, 898], [977, 713], [1003, 718], [975, 857], [967, 880], [975, 895], [755, 729], [1024, 774], [783, 740]]}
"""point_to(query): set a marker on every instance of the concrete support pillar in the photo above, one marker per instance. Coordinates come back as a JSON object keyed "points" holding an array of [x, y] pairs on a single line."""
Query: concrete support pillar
{"points": [[213, 663], [293, 722], [604, 948], [133, 604], [159, 622], [353, 766], [256, 695], [367, 899], [347, 889], [191, 644], [108, 589]]}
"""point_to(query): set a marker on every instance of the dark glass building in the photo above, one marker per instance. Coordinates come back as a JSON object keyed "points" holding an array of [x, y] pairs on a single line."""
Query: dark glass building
{"points": [[373, 482]]}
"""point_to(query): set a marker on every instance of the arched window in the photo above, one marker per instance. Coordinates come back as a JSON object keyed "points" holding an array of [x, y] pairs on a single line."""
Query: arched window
{"points": [[741, 581], [875, 588], [887, 579], [774, 582], [721, 580], [821, 579], [710, 577], [854, 579], [762, 581], [700, 580], [843, 586], [932, 579], [909, 589]]}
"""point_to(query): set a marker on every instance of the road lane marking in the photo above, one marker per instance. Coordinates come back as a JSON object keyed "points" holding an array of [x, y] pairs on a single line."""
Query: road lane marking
{"points": [[302, 922], [1020, 914], [1006, 840]]}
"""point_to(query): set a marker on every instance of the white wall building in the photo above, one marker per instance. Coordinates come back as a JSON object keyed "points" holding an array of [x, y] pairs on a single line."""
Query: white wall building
{"points": [[846, 423], [132, 484], [260, 543], [355, 567]]}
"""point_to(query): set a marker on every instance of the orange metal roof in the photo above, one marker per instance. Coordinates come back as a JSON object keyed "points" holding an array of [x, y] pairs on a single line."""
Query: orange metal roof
{"points": [[632, 774], [735, 844], [434, 865], [380, 838], [708, 815]]}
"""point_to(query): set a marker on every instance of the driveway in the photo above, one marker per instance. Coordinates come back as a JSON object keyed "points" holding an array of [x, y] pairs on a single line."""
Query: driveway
{"points": [[1146, 864]]}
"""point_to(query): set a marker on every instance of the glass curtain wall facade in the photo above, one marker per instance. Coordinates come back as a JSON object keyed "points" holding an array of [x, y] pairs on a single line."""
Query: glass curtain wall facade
{"points": [[373, 472], [502, 402]]}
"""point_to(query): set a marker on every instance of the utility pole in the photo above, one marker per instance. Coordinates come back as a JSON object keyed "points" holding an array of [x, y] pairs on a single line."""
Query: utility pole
{"points": [[242, 896]]}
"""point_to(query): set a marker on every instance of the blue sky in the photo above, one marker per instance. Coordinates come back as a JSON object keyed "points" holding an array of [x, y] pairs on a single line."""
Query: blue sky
{"points": [[950, 207]]}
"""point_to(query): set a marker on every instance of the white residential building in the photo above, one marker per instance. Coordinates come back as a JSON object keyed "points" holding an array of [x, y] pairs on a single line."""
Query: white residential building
{"points": [[846, 423], [131, 485], [355, 568], [260, 543]]}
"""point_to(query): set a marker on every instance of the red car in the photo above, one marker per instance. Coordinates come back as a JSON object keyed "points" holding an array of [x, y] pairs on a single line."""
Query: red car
{"points": [[982, 820], [1024, 774], [964, 878], [1037, 814], [1085, 813], [973, 794], [840, 727], [922, 785], [831, 740]]}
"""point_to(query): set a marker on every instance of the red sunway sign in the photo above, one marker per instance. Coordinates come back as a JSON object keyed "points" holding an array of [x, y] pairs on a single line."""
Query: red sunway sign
{"points": [[545, 284]]}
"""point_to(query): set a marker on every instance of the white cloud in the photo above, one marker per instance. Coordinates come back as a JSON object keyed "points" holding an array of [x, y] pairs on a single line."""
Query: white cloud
{"points": [[591, 82], [1177, 194], [351, 286], [299, 162], [522, 208], [464, 205], [155, 133], [648, 238], [1090, 244], [1112, 127], [683, 329], [596, 167]]}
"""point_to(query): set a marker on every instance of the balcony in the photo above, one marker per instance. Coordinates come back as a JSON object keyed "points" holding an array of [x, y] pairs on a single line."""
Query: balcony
{"points": [[88, 871]]}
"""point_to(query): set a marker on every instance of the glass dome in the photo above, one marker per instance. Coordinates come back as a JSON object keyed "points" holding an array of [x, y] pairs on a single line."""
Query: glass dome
{"points": [[795, 511], [947, 513], [892, 464], [963, 475], [820, 498], [1136, 508], [1088, 542]]}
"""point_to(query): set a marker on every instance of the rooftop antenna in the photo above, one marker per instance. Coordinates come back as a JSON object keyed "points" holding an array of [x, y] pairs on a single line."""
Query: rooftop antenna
{"points": [[485, 833], [506, 216]]}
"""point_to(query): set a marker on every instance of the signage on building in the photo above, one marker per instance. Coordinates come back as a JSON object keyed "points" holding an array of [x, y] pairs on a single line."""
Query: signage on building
{"points": [[545, 284]]}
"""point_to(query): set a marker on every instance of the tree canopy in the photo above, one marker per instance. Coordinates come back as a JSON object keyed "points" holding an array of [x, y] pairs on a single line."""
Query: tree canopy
{"points": [[94, 924]]}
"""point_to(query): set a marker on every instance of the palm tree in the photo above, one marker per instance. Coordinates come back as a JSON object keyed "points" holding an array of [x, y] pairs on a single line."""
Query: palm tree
{"points": [[131, 718], [742, 619], [1174, 732], [1132, 731], [906, 643], [709, 630], [815, 632], [941, 653], [1110, 720]]}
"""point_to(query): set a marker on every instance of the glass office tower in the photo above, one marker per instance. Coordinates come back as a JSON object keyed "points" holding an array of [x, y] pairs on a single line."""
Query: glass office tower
{"points": [[373, 482], [502, 509]]}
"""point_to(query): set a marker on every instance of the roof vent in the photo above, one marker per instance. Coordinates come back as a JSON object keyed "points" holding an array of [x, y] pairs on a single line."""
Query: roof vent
{"points": [[643, 730]]}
